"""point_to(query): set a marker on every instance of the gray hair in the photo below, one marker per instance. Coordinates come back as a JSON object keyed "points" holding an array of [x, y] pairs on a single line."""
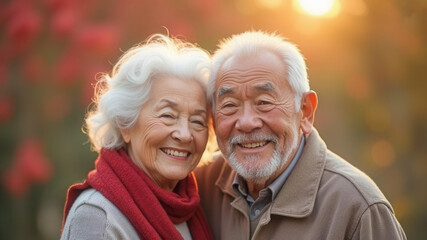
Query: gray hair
{"points": [[120, 96], [252, 42]]}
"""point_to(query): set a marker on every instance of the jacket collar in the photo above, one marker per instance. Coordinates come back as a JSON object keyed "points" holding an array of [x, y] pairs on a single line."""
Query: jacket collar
{"points": [[298, 194]]}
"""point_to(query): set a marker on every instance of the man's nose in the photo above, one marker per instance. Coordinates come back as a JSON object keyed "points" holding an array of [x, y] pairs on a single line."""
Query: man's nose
{"points": [[249, 119], [182, 131]]}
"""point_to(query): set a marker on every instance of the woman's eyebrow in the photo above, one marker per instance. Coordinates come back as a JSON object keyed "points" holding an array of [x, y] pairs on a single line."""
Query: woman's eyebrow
{"points": [[165, 103], [169, 102]]}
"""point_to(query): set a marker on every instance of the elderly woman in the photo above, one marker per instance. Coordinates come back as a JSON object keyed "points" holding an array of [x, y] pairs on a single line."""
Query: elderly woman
{"points": [[149, 126]]}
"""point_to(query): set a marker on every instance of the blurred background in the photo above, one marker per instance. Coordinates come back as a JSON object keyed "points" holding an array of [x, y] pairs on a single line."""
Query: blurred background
{"points": [[367, 61]]}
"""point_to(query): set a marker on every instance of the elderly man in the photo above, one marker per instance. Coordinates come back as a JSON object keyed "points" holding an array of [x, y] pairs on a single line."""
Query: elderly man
{"points": [[276, 179]]}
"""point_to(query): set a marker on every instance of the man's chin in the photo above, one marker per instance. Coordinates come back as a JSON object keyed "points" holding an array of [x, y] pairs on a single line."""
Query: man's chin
{"points": [[255, 168], [251, 170]]}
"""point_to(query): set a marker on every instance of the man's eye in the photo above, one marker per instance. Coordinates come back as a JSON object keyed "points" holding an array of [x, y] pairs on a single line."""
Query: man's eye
{"points": [[228, 105], [265, 106], [199, 122], [166, 115], [264, 103]]}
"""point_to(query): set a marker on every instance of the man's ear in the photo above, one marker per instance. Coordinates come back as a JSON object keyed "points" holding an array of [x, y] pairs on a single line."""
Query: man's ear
{"points": [[308, 108], [125, 135]]}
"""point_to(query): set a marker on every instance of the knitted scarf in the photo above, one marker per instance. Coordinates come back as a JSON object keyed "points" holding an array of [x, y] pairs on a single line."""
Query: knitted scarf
{"points": [[152, 210]]}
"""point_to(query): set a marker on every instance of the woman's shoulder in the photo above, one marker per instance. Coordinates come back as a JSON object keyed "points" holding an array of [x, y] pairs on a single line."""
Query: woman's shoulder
{"points": [[92, 197], [93, 215], [86, 218]]}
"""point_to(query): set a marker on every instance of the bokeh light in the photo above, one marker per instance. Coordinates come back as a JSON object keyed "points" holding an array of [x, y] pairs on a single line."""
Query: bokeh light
{"points": [[270, 3], [325, 8]]}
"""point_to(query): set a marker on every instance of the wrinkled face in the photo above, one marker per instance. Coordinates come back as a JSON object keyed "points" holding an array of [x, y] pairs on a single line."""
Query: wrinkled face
{"points": [[171, 132], [255, 120]]}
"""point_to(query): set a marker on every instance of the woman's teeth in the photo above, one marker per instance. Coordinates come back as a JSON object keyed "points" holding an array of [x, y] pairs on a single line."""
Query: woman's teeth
{"points": [[175, 153]]}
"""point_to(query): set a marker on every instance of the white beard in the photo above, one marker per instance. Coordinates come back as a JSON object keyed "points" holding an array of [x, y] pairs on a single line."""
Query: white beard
{"points": [[257, 173]]}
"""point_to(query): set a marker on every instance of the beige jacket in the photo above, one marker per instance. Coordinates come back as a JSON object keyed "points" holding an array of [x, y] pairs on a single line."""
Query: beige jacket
{"points": [[324, 198]]}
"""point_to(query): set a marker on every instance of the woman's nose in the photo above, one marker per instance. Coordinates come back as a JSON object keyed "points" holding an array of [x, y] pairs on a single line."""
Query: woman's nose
{"points": [[182, 131]]}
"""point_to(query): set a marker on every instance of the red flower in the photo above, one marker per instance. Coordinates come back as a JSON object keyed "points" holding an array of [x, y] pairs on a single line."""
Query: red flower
{"points": [[3, 72], [22, 27], [15, 182], [101, 40], [30, 165], [67, 69], [32, 161], [63, 23], [58, 5], [6, 109]]}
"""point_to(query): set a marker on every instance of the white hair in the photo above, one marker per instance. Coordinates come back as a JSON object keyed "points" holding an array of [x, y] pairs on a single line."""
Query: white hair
{"points": [[253, 42], [120, 95]]}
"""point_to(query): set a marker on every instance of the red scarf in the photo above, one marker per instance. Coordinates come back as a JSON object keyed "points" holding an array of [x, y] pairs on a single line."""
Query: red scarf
{"points": [[152, 210]]}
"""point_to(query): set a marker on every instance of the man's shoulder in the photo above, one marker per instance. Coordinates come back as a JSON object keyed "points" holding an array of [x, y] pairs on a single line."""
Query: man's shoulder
{"points": [[351, 181], [215, 172], [212, 167]]}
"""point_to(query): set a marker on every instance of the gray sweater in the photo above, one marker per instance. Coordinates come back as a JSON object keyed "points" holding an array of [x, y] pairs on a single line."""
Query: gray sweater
{"points": [[92, 216]]}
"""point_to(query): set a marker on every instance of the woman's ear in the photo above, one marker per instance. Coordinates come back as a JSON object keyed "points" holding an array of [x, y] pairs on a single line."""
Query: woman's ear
{"points": [[308, 108], [125, 135]]}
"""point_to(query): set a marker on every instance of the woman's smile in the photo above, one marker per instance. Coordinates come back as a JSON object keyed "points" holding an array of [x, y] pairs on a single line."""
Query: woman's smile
{"points": [[177, 154]]}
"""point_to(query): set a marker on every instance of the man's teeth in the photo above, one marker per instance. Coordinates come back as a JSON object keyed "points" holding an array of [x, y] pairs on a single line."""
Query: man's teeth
{"points": [[254, 145], [175, 153]]}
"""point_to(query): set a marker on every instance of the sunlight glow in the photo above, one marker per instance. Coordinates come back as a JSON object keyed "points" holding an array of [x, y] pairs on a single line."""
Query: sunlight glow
{"points": [[270, 3], [317, 7]]}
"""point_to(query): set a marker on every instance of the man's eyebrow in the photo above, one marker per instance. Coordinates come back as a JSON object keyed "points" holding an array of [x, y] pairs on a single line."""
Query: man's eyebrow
{"points": [[200, 111], [223, 91], [268, 87]]}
